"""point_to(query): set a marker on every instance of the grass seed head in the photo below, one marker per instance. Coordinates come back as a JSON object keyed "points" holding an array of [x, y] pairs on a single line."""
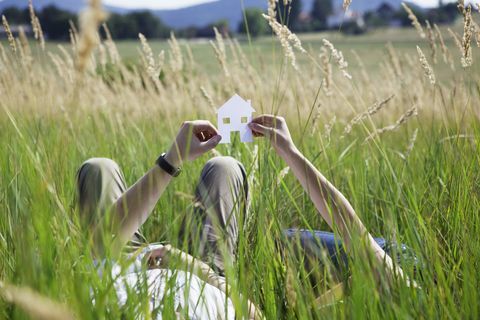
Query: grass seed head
{"points": [[426, 66], [8, 31], [414, 20], [467, 59]]}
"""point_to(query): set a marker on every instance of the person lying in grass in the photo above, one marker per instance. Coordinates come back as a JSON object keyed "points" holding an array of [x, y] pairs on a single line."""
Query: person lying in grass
{"points": [[211, 231]]}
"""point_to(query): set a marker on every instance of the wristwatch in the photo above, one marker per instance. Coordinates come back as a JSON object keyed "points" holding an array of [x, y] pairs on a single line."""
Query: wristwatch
{"points": [[167, 167]]}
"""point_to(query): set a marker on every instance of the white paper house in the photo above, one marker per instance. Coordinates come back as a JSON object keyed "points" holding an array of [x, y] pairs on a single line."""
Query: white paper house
{"points": [[234, 116]]}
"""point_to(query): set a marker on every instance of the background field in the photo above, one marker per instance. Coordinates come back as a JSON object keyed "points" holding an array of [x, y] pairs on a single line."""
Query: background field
{"points": [[423, 191]]}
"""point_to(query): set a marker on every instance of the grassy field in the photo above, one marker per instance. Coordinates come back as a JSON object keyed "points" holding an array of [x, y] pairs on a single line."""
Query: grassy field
{"points": [[417, 182]]}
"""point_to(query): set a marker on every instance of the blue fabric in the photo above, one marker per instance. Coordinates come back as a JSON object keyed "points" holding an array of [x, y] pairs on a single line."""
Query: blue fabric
{"points": [[312, 242]]}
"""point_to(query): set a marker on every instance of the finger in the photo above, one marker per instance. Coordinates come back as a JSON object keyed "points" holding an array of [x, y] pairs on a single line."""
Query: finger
{"points": [[256, 134], [204, 130], [265, 119], [204, 126], [210, 144], [259, 128]]}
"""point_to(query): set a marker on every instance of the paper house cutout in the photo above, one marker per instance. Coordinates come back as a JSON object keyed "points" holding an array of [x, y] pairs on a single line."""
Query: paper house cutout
{"points": [[234, 116]]}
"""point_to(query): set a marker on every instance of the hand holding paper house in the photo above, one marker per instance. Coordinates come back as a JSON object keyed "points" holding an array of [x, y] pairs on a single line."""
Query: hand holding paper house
{"points": [[234, 116]]}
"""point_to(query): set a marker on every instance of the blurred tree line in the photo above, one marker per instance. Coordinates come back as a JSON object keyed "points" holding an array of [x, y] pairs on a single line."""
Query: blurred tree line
{"points": [[55, 22]]}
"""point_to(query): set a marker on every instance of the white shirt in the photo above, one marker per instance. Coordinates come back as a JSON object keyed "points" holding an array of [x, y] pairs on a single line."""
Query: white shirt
{"points": [[199, 299]]}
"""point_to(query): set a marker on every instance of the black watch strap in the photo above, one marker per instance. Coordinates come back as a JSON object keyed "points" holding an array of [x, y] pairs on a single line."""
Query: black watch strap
{"points": [[167, 167]]}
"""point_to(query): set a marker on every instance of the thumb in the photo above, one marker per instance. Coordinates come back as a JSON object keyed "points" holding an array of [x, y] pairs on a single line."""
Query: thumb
{"points": [[260, 128], [211, 143]]}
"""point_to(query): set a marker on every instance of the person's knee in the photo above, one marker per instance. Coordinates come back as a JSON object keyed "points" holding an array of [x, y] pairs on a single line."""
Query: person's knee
{"points": [[94, 171], [99, 165], [225, 165]]}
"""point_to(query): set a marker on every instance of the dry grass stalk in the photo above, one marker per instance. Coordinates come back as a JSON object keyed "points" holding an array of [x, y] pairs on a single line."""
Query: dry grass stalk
{"points": [[338, 56], [426, 66], [328, 127], [8, 32], [432, 41], [447, 56], [316, 117], [220, 52], [208, 98], [403, 119], [3, 54], [110, 44], [375, 108], [282, 174], [102, 54], [272, 8], [411, 144], [288, 40], [394, 60], [176, 57], [34, 304], [73, 33], [467, 59], [327, 71], [346, 4], [149, 61], [461, 6], [414, 20], [25, 45], [476, 30], [456, 39], [36, 26], [90, 21]]}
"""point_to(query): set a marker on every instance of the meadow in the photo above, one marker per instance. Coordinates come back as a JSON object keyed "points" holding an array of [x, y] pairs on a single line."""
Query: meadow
{"points": [[402, 147]]}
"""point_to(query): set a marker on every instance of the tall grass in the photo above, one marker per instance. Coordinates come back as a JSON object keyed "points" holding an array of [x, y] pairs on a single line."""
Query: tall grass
{"points": [[417, 182]]}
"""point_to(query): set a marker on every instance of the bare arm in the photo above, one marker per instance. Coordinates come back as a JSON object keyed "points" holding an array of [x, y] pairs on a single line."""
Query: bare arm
{"points": [[133, 208], [330, 203]]}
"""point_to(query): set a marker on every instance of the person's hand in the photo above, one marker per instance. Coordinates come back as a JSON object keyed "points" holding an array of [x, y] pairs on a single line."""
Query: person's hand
{"points": [[276, 129], [193, 139], [158, 258]]}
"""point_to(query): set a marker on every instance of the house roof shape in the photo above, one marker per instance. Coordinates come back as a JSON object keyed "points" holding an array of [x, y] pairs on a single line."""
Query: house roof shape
{"points": [[234, 104]]}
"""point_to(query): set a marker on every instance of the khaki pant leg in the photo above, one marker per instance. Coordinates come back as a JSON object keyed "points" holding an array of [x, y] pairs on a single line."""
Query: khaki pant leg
{"points": [[100, 182], [222, 198]]}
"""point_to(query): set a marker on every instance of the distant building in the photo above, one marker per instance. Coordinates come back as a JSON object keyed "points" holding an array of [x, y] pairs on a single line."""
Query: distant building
{"points": [[340, 18]]}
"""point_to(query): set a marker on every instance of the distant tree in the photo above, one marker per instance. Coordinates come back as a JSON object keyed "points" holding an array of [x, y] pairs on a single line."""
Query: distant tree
{"points": [[405, 21], [128, 26], [149, 24], [444, 13], [288, 14], [16, 16], [207, 31], [257, 25], [122, 27], [55, 22], [321, 10]]}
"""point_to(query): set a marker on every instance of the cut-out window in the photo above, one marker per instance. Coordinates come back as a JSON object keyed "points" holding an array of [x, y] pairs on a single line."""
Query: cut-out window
{"points": [[226, 120], [244, 119]]}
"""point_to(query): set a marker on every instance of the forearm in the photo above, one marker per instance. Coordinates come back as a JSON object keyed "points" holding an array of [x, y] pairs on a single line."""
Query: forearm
{"points": [[133, 208], [330, 203], [334, 207]]}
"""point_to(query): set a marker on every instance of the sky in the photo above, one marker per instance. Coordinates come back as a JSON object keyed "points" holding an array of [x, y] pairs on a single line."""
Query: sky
{"points": [[172, 4]]}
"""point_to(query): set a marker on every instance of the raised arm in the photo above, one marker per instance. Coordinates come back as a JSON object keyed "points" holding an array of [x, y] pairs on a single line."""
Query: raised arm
{"points": [[330, 203], [133, 208]]}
